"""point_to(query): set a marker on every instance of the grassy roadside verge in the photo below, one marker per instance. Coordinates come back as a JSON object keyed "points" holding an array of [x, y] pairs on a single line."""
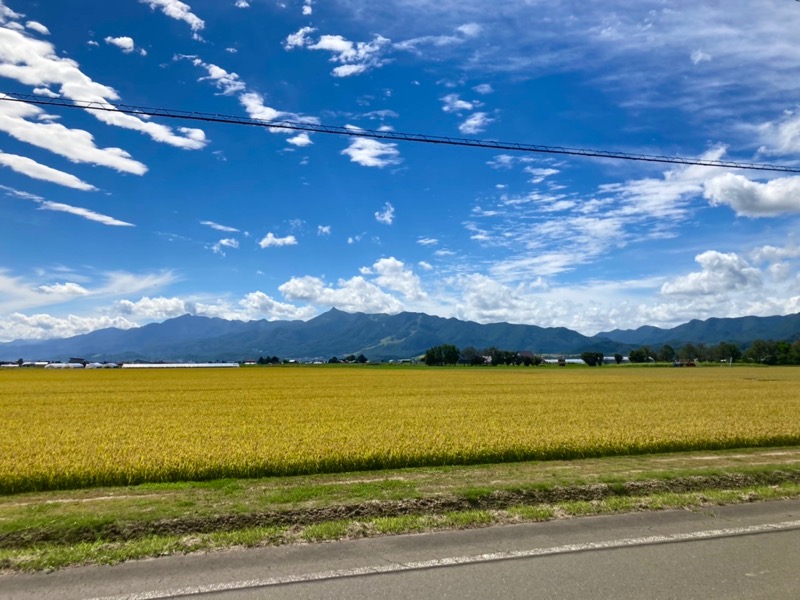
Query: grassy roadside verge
{"points": [[107, 525]]}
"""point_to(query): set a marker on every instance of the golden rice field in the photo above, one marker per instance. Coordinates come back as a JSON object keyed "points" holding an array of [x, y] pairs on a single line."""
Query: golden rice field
{"points": [[72, 429]]}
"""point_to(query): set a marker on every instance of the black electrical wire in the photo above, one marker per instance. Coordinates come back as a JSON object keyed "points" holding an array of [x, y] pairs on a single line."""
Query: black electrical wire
{"points": [[386, 135]]}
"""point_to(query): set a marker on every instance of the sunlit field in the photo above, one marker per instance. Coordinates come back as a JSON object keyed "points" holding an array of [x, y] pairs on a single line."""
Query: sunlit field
{"points": [[87, 428]]}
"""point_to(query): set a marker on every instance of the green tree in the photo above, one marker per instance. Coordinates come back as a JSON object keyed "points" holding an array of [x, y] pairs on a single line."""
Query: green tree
{"points": [[333, 360], [640, 355], [593, 359], [471, 356], [666, 354], [446, 354], [618, 358], [361, 359]]}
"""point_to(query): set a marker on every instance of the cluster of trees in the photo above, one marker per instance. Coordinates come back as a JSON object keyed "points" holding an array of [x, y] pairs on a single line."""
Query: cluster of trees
{"points": [[447, 354], [350, 358], [268, 360], [723, 351], [768, 352]]}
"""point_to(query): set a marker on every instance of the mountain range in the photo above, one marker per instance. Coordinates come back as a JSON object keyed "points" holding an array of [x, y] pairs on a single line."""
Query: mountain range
{"points": [[377, 336]]}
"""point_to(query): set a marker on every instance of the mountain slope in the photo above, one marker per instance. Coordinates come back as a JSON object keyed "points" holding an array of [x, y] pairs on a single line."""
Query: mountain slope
{"points": [[378, 336]]}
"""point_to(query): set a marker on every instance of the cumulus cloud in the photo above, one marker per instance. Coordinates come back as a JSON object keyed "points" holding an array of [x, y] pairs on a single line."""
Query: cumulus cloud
{"points": [[352, 295], [242, 4], [157, 308], [354, 57], [124, 43], [372, 153], [69, 289], [453, 103], [721, 273], [35, 170], [323, 230], [269, 241], [754, 199], [475, 123], [385, 216], [301, 140], [228, 83], [392, 274], [44, 326], [427, 241], [175, 9]]}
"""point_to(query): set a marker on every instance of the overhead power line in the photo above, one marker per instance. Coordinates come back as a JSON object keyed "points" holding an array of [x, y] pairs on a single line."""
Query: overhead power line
{"points": [[386, 135]]}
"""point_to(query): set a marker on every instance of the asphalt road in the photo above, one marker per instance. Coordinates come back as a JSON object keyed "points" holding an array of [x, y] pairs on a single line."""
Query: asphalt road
{"points": [[748, 552]]}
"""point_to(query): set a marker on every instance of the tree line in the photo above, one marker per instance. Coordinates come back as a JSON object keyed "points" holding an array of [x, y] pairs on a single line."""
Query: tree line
{"points": [[767, 352], [447, 354]]}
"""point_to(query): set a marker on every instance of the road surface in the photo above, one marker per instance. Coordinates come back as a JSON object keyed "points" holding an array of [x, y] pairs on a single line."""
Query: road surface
{"points": [[747, 551]]}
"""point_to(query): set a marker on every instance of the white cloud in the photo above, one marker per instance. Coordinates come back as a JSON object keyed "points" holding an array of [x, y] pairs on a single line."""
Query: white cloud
{"points": [[427, 241], [781, 136], [31, 168], [386, 216], [699, 56], [307, 7], [253, 103], [470, 29], [67, 289], [355, 57], [299, 38], [721, 273], [301, 140], [754, 199], [219, 227], [158, 308], [124, 43], [425, 266], [242, 4], [540, 174], [35, 63], [175, 9], [43, 326], [453, 103], [84, 213], [476, 123], [352, 295], [270, 240], [75, 144], [37, 27], [372, 153], [219, 247], [229, 83], [323, 230], [43, 91], [393, 274], [483, 88]]}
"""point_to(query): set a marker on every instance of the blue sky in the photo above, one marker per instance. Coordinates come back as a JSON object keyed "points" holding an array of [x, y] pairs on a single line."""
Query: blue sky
{"points": [[113, 220]]}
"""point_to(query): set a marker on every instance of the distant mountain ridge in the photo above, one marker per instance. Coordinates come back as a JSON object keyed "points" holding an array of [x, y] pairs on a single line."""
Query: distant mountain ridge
{"points": [[377, 336]]}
